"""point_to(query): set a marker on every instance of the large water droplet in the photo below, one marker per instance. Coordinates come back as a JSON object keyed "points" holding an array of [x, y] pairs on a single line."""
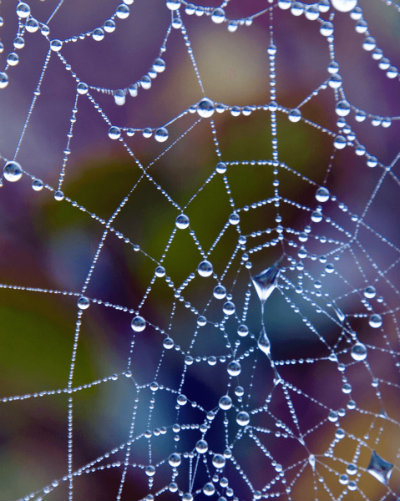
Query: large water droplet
{"points": [[161, 134], [375, 321], [229, 308], [344, 5], [12, 171], [379, 468], [219, 292], [234, 368], [266, 281], [370, 292], [209, 489], [359, 352], [218, 461], [205, 268], [3, 80], [218, 16], [56, 45], [173, 4], [225, 402], [205, 108], [138, 324], [295, 115], [182, 222], [201, 446], [174, 460], [83, 303], [242, 418], [23, 10], [322, 194]]}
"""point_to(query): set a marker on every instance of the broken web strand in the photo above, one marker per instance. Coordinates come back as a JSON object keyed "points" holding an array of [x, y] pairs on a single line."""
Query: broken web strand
{"points": [[273, 106]]}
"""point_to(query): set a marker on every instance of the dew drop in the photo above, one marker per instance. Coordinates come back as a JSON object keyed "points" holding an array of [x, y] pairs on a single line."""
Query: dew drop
{"points": [[219, 292], [266, 281], [174, 460], [221, 167], [205, 108], [242, 418], [173, 4], [263, 343], [12, 171], [83, 303], [359, 352], [322, 195], [218, 16], [114, 132], [205, 268], [342, 108], [370, 292], [225, 402], [234, 368], [56, 45], [218, 461], [58, 196], [344, 5], [160, 271], [379, 468], [201, 446], [295, 115], [3, 80], [161, 135], [339, 142], [243, 330], [37, 185], [138, 324], [168, 343], [119, 97], [182, 222], [159, 65], [229, 308], [375, 321], [23, 10]]}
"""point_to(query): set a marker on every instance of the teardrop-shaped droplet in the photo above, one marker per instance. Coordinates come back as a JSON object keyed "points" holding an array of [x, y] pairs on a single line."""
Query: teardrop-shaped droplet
{"points": [[266, 281], [379, 468], [263, 343]]}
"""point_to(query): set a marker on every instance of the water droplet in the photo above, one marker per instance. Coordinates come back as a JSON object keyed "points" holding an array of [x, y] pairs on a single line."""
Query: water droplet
{"points": [[58, 196], [322, 195], [119, 97], [205, 268], [339, 142], [150, 471], [218, 16], [370, 292], [342, 108], [56, 45], [243, 330], [333, 416], [82, 88], [160, 271], [379, 468], [234, 368], [263, 342], [174, 460], [375, 321], [242, 418], [351, 469], [181, 400], [234, 218], [173, 4], [98, 34], [159, 65], [37, 185], [316, 216], [218, 461], [205, 108], [201, 446], [266, 281], [23, 10], [122, 11], [161, 135], [12, 171], [13, 59], [344, 5], [229, 308], [359, 352], [311, 460], [182, 222], [225, 402], [221, 167], [168, 343], [138, 324], [209, 489], [339, 313], [3, 80], [219, 292], [295, 115], [114, 132], [83, 303]]}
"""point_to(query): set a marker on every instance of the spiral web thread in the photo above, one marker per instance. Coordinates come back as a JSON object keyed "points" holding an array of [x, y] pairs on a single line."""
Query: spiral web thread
{"points": [[311, 278]]}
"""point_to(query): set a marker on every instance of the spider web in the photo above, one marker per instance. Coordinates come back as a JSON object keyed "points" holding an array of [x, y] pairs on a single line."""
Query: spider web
{"points": [[210, 284]]}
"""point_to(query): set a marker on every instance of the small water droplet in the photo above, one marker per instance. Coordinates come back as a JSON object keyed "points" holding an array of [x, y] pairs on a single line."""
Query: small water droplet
{"points": [[56, 45], [379, 468], [243, 330], [219, 292], [174, 460], [339, 313], [119, 97], [114, 132], [138, 324], [229, 308], [173, 4], [205, 108], [311, 460], [234, 368], [370, 292], [359, 352], [218, 461], [83, 303], [205, 268], [375, 321], [37, 185], [3, 80], [12, 171], [342, 108], [23, 10], [225, 402], [322, 194]]}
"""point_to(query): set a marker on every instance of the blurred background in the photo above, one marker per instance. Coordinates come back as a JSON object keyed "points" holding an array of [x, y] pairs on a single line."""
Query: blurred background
{"points": [[50, 245]]}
